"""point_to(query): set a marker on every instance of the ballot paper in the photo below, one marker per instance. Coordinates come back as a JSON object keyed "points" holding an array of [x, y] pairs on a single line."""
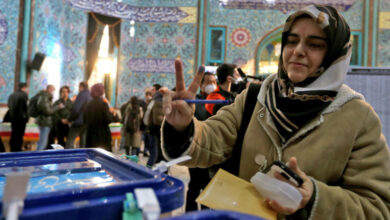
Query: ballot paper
{"points": [[228, 192]]}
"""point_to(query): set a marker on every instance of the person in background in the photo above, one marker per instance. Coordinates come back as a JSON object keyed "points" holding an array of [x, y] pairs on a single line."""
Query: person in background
{"points": [[132, 117], [97, 117], [304, 116], [45, 117], [76, 119], [225, 74], [60, 127], [199, 177], [144, 104], [18, 116], [152, 119], [207, 86]]}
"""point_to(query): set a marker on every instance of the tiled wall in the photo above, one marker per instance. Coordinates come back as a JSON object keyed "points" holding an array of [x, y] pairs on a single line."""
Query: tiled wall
{"points": [[60, 33], [9, 13], [147, 57], [383, 40], [256, 23]]}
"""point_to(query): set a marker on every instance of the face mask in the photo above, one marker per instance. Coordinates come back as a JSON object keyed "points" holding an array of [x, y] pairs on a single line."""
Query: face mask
{"points": [[210, 88], [236, 81]]}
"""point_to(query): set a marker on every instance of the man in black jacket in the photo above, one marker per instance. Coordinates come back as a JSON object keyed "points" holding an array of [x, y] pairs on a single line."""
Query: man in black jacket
{"points": [[78, 127], [17, 104]]}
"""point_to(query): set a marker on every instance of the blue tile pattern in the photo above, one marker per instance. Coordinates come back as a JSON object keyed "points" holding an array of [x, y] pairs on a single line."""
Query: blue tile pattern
{"points": [[129, 12], [60, 33], [285, 6], [260, 23], [145, 59], [9, 13], [383, 40]]}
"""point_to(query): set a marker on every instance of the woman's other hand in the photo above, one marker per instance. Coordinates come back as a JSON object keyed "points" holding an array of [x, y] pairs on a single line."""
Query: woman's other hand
{"points": [[306, 189], [177, 112]]}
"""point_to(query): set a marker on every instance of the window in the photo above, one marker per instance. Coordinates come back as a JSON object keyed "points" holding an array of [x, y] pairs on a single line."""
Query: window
{"points": [[356, 39], [216, 45]]}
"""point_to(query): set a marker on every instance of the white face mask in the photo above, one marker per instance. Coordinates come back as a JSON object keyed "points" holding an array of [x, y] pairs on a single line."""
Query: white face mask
{"points": [[236, 81], [210, 88]]}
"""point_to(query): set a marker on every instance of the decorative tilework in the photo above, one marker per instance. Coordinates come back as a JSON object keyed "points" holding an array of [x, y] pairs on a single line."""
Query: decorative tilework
{"points": [[166, 3], [285, 6], [260, 23], [383, 42], [3, 28], [240, 37], [151, 65], [60, 33], [9, 13], [129, 12], [148, 57]]}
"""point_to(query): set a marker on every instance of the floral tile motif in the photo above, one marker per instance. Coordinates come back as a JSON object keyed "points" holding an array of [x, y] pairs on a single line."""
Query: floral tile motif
{"points": [[9, 13]]}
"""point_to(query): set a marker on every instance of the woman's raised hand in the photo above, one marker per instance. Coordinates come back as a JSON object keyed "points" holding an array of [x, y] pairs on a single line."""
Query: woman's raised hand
{"points": [[179, 113]]}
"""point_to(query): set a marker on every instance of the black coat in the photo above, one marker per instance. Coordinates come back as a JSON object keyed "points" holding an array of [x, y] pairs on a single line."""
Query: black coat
{"points": [[17, 104], [97, 118]]}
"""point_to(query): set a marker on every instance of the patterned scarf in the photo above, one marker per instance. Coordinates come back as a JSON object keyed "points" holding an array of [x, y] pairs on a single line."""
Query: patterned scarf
{"points": [[293, 105]]}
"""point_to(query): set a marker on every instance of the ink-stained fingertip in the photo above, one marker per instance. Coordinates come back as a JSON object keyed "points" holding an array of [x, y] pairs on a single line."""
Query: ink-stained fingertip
{"points": [[201, 69]]}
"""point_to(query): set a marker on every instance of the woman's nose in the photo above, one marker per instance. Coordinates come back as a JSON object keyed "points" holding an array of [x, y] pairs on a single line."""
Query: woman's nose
{"points": [[300, 50]]}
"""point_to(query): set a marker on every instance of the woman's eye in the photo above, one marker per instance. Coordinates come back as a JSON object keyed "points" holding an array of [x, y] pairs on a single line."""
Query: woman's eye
{"points": [[292, 42], [317, 45]]}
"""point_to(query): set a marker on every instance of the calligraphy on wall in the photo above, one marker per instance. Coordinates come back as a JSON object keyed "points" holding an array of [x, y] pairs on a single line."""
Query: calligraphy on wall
{"points": [[137, 13], [284, 6], [151, 65]]}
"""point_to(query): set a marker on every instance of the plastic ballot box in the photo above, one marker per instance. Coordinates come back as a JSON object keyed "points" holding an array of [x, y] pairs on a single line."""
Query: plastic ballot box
{"points": [[215, 214], [84, 184]]}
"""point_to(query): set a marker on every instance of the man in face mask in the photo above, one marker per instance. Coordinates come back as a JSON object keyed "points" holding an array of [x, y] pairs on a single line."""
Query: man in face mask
{"points": [[207, 86]]}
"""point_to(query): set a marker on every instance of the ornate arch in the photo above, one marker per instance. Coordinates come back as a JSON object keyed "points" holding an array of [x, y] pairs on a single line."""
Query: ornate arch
{"points": [[263, 42]]}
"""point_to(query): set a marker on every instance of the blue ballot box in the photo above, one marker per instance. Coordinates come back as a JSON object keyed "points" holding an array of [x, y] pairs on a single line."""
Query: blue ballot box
{"points": [[85, 184], [214, 214]]}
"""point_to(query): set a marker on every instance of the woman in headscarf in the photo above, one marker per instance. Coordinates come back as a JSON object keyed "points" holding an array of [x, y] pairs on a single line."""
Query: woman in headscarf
{"points": [[304, 115], [98, 116]]}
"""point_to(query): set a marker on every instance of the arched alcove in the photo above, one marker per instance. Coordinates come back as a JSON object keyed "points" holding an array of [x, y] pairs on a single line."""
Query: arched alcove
{"points": [[267, 52]]}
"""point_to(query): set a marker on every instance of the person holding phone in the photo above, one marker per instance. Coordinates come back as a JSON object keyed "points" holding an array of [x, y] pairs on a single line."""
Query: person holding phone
{"points": [[304, 116]]}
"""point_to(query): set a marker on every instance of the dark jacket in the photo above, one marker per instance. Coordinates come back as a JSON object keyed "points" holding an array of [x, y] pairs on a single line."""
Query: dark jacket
{"points": [[46, 109], [17, 104], [64, 112], [76, 116], [156, 115], [97, 117], [200, 110]]}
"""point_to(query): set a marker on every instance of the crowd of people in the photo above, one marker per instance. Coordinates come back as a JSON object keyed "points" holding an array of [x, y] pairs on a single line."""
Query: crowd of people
{"points": [[304, 115], [87, 116]]}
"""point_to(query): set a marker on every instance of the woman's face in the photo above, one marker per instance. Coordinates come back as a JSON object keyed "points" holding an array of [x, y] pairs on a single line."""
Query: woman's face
{"points": [[304, 50]]}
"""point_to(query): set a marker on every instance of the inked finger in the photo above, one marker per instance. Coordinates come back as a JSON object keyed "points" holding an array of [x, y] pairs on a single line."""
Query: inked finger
{"points": [[197, 80], [180, 86]]}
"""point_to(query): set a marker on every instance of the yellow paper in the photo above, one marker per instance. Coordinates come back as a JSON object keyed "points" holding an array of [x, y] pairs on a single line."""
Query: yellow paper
{"points": [[228, 192]]}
